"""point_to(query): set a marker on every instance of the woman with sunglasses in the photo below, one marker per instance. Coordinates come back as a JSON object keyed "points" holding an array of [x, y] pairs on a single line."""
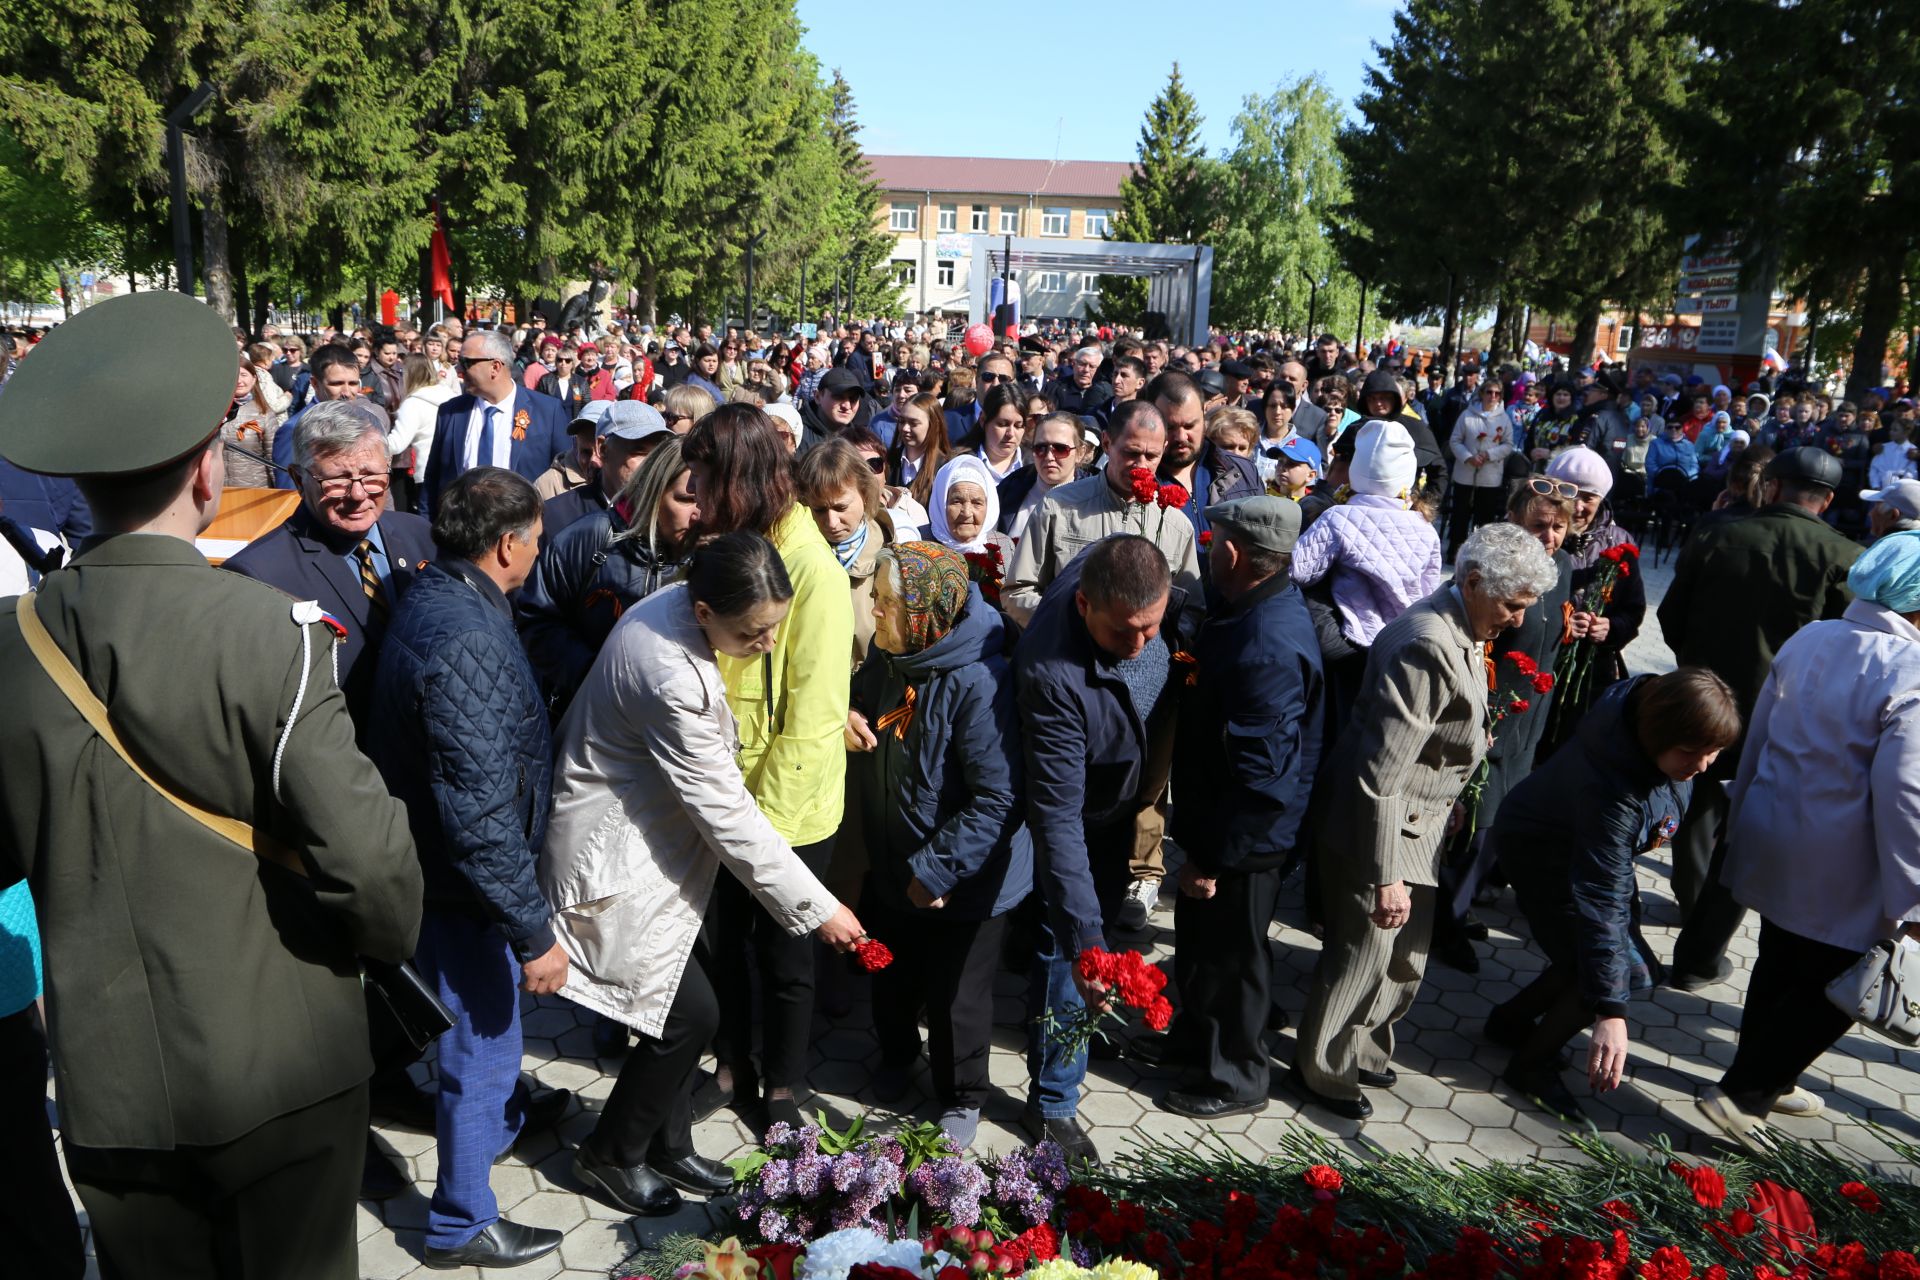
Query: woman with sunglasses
{"points": [[1056, 450], [1610, 617]]}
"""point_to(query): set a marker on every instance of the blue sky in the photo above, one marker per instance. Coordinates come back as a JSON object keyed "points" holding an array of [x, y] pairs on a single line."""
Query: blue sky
{"points": [[1020, 79]]}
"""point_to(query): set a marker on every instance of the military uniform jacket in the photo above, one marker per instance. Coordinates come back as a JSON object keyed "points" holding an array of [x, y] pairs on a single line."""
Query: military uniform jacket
{"points": [[194, 991]]}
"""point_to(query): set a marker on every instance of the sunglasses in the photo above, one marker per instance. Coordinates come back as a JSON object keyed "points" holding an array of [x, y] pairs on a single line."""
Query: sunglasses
{"points": [[1550, 488], [877, 465], [994, 379], [1044, 450], [467, 362]]}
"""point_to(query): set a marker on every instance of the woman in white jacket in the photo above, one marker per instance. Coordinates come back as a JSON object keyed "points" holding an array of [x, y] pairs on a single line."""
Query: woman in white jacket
{"points": [[1823, 838], [648, 806], [1481, 441]]}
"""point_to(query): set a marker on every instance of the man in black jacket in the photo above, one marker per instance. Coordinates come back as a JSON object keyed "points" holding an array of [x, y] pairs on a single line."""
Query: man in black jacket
{"points": [[1081, 392], [1249, 742], [1091, 671]]}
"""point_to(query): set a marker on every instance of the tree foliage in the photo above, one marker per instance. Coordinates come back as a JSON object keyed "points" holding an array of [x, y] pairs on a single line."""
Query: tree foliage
{"points": [[1169, 198], [634, 139]]}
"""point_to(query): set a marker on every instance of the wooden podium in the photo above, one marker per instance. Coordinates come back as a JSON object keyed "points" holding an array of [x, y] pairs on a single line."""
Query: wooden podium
{"points": [[245, 514]]}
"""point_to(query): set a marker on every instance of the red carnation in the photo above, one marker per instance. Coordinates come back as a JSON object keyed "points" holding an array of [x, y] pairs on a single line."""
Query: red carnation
{"points": [[1898, 1264], [1523, 663], [1620, 1209], [881, 1271], [1708, 1187], [1543, 682], [1323, 1177], [1173, 495], [1667, 1263], [1159, 1014], [1206, 537], [1095, 965], [1741, 1222], [1864, 1197], [776, 1260], [1145, 488], [1521, 704], [872, 954]]}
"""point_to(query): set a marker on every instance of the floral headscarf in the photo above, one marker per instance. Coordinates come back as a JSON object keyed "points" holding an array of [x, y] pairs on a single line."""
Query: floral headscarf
{"points": [[933, 589]]}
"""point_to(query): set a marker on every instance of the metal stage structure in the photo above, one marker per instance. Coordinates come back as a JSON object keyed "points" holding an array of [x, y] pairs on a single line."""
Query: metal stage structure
{"points": [[1180, 276]]}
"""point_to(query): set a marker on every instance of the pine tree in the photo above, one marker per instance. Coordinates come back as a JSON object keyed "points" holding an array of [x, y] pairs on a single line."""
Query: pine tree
{"points": [[1169, 198]]}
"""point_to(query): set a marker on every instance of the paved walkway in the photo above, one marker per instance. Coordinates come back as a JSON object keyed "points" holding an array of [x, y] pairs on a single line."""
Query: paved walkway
{"points": [[1446, 1103]]}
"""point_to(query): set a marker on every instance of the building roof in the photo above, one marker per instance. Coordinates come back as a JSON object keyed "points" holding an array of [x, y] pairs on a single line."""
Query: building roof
{"points": [[1095, 178]]}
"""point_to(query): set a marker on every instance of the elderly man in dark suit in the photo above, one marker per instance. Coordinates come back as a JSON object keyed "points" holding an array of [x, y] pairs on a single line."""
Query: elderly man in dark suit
{"points": [[497, 423], [1416, 735], [343, 547]]}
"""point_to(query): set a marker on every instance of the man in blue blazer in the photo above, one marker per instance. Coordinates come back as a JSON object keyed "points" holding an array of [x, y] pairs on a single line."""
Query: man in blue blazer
{"points": [[341, 466], [497, 423]]}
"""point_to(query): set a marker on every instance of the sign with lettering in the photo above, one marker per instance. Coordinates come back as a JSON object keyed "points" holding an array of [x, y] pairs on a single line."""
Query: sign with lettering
{"points": [[1699, 304], [1712, 282], [1719, 335]]}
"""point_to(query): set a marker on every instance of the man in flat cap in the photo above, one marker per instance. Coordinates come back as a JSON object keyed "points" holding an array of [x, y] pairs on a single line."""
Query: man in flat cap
{"points": [[1740, 590], [208, 852], [1249, 740]]}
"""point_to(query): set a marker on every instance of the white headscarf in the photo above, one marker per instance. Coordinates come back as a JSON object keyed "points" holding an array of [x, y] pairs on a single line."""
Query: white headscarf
{"points": [[965, 469]]}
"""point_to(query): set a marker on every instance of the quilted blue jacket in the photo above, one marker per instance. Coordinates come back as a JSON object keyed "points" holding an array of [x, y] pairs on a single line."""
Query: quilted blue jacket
{"points": [[460, 735]]}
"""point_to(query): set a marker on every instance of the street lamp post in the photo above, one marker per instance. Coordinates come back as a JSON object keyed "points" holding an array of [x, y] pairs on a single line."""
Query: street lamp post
{"points": [[177, 120]]}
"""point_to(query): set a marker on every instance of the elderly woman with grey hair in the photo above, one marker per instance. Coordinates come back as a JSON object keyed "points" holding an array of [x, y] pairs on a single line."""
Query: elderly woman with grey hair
{"points": [[1417, 733]]}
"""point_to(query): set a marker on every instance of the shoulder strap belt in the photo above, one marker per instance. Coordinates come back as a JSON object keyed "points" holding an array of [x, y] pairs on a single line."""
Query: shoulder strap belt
{"points": [[58, 666]]}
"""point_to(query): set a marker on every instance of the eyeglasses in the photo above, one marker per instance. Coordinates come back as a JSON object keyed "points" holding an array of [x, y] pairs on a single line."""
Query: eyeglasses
{"points": [[1044, 449], [374, 484], [877, 465], [1550, 488], [467, 362]]}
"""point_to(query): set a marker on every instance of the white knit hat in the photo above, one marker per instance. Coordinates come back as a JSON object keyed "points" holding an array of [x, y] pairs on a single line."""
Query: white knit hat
{"points": [[1384, 464]]}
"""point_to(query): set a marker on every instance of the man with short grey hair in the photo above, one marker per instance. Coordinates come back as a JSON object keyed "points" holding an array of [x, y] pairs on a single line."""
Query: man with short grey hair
{"points": [[497, 423]]}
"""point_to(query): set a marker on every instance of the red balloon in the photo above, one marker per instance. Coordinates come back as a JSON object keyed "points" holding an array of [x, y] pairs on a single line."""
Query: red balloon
{"points": [[979, 339]]}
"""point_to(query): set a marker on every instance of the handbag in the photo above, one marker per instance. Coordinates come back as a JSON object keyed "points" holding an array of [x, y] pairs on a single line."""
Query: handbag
{"points": [[402, 1010], [1881, 991]]}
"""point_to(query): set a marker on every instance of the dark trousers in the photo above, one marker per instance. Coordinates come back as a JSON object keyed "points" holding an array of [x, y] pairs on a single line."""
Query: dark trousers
{"points": [[276, 1202], [1473, 506], [786, 979], [1552, 1002], [1224, 969], [36, 1213], [944, 967], [1700, 833], [1788, 1020], [648, 1116]]}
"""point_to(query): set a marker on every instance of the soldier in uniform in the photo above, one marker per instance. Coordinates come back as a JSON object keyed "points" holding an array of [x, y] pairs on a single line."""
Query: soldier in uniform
{"points": [[208, 851]]}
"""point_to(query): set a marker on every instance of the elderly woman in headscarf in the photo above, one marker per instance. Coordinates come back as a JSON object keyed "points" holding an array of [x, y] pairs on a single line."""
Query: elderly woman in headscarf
{"points": [[1824, 833], [1609, 600], [965, 514], [941, 791]]}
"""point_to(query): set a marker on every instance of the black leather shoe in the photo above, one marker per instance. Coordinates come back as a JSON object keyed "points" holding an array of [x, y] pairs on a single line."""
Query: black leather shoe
{"points": [[1203, 1106], [696, 1174], [636, 1188], [1379, 1079], [1473, 926], [380, 1177], [1691, 980], [502, 1244], [1278, 1018], [1345, 1108], [543, 1113], [1064, 1132]]}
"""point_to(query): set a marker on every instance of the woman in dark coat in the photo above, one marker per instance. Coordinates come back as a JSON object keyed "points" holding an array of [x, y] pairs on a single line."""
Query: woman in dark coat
{"points": [[942, 799], [1567, 837]]}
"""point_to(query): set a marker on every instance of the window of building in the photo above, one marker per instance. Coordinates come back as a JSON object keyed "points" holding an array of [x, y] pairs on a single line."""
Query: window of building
{"points": [[949, 217], [905, 272], [1050, 282], [977, 219], [906, 217], [1009, 222], [1099, 222], [943, 273], [1053, 222]]}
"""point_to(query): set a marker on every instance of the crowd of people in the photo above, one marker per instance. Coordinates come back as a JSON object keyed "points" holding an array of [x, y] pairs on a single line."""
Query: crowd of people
{"points": [[653, 670]]}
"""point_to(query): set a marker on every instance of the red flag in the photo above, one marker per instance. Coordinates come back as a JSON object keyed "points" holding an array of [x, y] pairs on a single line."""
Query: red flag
{"points": [[442, 261]]}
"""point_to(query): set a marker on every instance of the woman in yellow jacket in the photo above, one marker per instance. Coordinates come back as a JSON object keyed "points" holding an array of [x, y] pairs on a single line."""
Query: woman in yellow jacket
{"points": [[791, 704]]}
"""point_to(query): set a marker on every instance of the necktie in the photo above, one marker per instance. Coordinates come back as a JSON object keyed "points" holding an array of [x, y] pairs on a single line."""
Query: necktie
{"points": [[369, 580], [485, 458]]}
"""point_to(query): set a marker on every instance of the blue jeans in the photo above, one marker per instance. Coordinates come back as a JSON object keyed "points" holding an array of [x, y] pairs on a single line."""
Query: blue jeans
{"points": [[1055, 1091], [481, 1106]]}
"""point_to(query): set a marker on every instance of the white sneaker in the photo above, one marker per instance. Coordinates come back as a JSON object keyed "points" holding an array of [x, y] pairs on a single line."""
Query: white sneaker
{"points": [[1137, 906], [1799, 1102], [1736, 1125]]}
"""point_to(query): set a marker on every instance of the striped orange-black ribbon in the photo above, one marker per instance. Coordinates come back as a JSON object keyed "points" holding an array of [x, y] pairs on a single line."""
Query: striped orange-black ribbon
{"points": [[900, 717]]}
